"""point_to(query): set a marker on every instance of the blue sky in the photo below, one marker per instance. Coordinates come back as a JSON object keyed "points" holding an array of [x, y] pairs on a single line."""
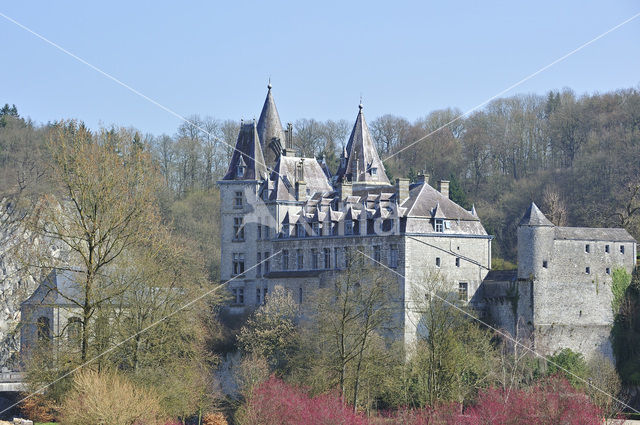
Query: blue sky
{"points": [[214, 58]]}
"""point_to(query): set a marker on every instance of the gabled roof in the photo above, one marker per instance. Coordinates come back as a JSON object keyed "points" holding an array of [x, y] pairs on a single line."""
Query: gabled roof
{"points": [[247, 153], [269, 126], [424, 200], [361, 157], [59, 288], [534, 217]]}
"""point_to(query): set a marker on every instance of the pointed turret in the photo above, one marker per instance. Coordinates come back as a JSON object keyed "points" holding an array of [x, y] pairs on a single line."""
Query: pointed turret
{"points": [[247, 162], [534, 217], [360, 162], [270, 127]]}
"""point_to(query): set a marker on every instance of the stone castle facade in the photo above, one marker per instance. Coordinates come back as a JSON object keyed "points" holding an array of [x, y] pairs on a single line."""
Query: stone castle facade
{"points": [[288, 221]]}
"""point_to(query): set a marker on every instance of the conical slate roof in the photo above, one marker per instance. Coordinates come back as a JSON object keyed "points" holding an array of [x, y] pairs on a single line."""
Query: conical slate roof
{"points": [[269, 126], [247, 154], [362, 162], [534, 217]]}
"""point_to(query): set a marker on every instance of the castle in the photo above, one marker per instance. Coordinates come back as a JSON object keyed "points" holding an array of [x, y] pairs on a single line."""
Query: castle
{"points": [[288, 221]]}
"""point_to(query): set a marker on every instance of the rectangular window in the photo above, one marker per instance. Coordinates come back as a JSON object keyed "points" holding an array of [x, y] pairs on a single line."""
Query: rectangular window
{"points": [[606, 249], [348, 227], [377, 253], [347, 256], [238, 295], [300, 261], [238, 229], [544, 264], [258, 296], [587, 248], [457, 261], [437, 261], [621, 249], [336, 256], [300, 295], [259, 265], [238, 263], [259, 230], [265, 292], [439, 225], [314, 259], [327, 258], [393, 256], [587, 270], [608, 270], [285, 259], [463, 291], [266, 262], [238, 200]]}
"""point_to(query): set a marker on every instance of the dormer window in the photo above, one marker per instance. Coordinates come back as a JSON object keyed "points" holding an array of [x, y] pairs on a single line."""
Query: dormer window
{"points": [[374, 171], [285, 230], [348, 227], [300, 231], [240, 170], [316, 229], [439, 225]]}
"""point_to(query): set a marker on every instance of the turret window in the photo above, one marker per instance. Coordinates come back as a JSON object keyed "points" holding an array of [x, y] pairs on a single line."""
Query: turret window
{"points": [[238, 229], [238, 200], [238, 263]]}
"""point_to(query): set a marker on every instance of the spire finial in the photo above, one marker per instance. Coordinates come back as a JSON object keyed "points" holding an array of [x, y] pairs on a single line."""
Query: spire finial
{"points": [[360, 105], [269, 85]]}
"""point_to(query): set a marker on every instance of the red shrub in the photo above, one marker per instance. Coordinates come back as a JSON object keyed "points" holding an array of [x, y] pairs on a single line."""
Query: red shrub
{"points": [[549, 402], [276, 403]]}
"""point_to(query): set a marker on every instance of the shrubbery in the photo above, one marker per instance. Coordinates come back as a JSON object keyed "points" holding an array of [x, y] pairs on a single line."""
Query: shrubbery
{"points": [[109, 398], [550, 401]]}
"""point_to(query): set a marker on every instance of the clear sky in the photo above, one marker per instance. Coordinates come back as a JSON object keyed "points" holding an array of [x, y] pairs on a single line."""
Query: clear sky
{"points": [[214, 58]]}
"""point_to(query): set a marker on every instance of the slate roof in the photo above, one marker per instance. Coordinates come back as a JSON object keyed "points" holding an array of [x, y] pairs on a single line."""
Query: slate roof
{"points": [[534, 217], [59, 288], [248, 153], [593, 234], [361, 156], [423, 200], [284, 178], [269, 126]]}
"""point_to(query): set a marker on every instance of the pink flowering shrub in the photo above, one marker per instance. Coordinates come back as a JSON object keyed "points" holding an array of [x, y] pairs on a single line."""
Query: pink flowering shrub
{"points": [[276, 403], [548, 402]]}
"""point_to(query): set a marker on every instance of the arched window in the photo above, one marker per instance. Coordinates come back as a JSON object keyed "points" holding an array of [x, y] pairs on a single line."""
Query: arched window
{"points": [[74, 329], [44, 328]]}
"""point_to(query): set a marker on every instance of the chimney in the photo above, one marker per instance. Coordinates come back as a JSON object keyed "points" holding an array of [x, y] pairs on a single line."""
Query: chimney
{"points": [[402, 190], [346, 189], [443, 187], [423, 177], [288, 141], [301, 185]]}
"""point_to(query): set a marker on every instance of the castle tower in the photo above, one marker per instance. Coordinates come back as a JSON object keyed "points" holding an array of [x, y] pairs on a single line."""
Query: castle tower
{"points": [[535, 243], [270, 131], [359, 162], [240, 209]]}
